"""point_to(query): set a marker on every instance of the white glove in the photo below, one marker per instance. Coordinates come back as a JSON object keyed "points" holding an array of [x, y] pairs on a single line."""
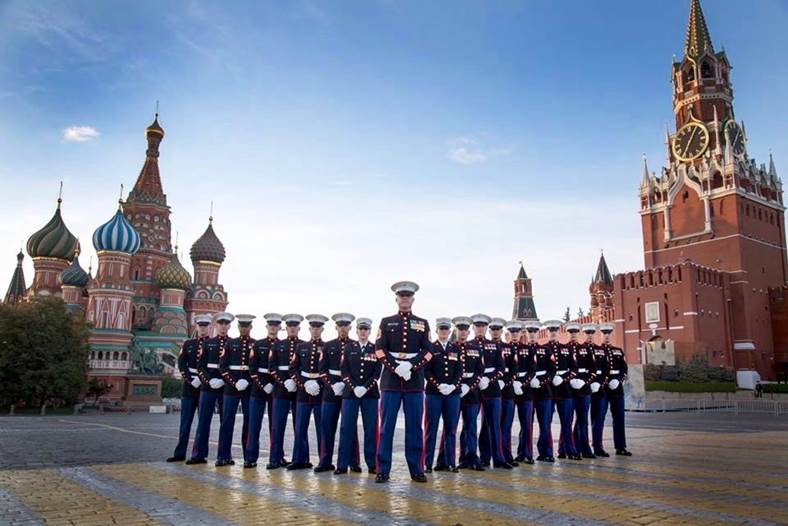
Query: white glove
{"points": [[534, 383], [557, 380], [407, 375], [268, 388], [196, 383], [241, 384], [312, 387], [518, 387], [359, 391], [501, 384], [290, 385], [484, 383], [464, 388], [450, 388], [338, 387], [613, 384], [576, 383], [595, 387], [403, 369], [216, 383]]}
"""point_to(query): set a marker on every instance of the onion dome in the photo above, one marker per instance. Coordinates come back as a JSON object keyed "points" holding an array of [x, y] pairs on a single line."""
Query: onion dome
{"points": [[74, 275], [208, 247], [54, 240], [173, 275], [17, 288], [155, 128], [117, 235]]}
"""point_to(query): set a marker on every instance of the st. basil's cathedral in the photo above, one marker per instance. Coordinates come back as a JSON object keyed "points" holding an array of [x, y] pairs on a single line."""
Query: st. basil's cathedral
{"points": [[141, 301]]}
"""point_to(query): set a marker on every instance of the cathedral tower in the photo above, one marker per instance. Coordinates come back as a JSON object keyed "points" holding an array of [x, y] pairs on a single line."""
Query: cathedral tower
{"points": [[524, 308], [601, 291]]}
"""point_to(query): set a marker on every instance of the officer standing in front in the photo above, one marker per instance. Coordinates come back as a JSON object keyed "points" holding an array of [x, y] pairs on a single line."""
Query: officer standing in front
{"points": [[490, 387], [616, 376], [524, 392], [470, 398], [360, 372], [541, 383], [333, 388], [403, 347], [190, 395], [262, 387], [305, 372], [284, 395], [563, 388], [509, 355], [211, 392], [234, 366], [584, 357], [444, 376]]}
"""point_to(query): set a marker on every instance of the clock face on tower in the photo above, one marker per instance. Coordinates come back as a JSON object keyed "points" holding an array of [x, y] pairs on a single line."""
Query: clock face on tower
{"points": [[735, 137], [690, 141]]}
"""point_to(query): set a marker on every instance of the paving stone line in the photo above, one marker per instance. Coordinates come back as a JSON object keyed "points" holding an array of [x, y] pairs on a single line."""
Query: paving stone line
{"points": [[314, 503], [166, 510], [13, 511]]}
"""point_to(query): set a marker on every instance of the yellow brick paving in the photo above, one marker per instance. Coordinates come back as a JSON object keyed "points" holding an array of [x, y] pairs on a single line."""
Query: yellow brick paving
{"points": [[58, 501], [231, 505]]}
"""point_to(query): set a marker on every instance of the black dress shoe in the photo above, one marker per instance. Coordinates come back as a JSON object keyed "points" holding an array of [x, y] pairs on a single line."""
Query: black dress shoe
{"points": [[293, 466], [419, 477], [440, 468], [514, 463], [176, 459], [576, 457], [462, 465], [372, 471], [340, 472], [427, 470], [273, 465], [562, 456], [453, 470], [502, 465], [586, 455], [250, 465], [485, 464], [193, 461], [356, 469], [602, 453], [529, 460], [540, 458], [549, 459], [477, 467], [284, 463], [308, 465], [623, 453], [221, 463], [518, 458], [381, 478], [321, 469]]}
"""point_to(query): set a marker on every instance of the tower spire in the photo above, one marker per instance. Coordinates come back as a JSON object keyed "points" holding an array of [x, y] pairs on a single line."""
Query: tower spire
{"points": [[148, 187], [645, 171], [698, 40], [17, 288]]}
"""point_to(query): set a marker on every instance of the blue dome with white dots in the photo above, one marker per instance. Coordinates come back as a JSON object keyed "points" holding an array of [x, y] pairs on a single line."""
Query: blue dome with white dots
{"points": [[117, 235]]}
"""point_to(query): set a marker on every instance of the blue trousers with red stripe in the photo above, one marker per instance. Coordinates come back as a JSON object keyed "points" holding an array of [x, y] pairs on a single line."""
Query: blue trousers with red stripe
{"points": [[206, 406], [525, 414], [280, 407], [566, 411], [447, 407], [301, 445], [490, 436], [228, 424], [348, 432], [189, 406], [256, 413], [617, 412], [412, 403], [469, 442], [598, 414], [580, 431], [507, 419], [544, 414]]}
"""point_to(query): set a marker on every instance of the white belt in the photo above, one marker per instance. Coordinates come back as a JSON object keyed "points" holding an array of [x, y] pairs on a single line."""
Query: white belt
{"points": [[239, 367], [506, 369], [564, 371], [404, 355], [310, 375], [195, 371], [521, 374], [262, 370], [212, 366], [467, 375], [489, 370], [599, 371], [613, 371], [540, 373], [582, 370], [284, 368], [335, 372]]}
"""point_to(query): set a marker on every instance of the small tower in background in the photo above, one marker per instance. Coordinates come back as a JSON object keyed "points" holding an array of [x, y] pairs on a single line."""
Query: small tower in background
{"points": [[207, 295], [601, 290], [17, 288], [524, 308]]}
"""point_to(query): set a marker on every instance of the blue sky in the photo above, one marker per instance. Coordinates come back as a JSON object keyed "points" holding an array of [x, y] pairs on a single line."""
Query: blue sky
{"points": [[350, 144]]}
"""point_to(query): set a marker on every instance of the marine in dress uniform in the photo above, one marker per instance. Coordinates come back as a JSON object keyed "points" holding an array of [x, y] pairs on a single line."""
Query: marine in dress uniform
{"points": [[584, 357], [509, 356], [490, 386], [564, 383], [470, 398], [444, 376], [262, 387], [212, 390], [541, 385], [616, 375], [305, 372], [234, 366], [599, 402], [360, 372], [333, 389], [284, 395], [403, 347], [524, 393], [190, 394]]}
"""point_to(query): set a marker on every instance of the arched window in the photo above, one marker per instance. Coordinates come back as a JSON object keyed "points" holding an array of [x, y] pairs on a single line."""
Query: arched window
{"points": [[706, 71], [136, 274], [100, 355], [689, 74], [716, 181], [115, 355]]}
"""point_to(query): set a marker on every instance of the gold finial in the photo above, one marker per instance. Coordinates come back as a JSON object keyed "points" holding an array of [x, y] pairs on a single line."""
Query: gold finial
{"points": [[60, 194]]}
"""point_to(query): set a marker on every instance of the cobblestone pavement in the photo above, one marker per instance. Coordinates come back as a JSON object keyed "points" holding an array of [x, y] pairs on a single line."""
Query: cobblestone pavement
{"points": [[108, 469]]}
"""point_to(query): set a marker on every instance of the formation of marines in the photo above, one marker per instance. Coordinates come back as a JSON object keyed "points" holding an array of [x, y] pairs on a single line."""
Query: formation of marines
{"points": [[451, 378]]}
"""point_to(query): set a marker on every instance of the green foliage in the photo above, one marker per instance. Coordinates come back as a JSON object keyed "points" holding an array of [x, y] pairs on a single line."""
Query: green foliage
{"points": [[691, 387], [697, 370], [97, 388], [775, 388], [43, 353], [171, 387]]}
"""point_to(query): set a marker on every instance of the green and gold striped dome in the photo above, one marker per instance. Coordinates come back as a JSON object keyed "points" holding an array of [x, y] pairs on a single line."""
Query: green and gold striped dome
{"points": [[173, 275], [54, 240]]}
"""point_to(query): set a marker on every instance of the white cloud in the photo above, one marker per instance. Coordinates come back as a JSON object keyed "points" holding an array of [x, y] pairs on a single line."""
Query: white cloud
{"points": [[80, 133], [470, 150]]}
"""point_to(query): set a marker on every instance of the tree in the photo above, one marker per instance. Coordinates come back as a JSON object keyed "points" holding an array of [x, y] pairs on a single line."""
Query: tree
{"points": [[97, 388], [580, 312], [171, 387], [43, 353], [567, 316]]}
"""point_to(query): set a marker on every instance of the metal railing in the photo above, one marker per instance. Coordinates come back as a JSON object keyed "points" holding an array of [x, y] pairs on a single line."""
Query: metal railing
{"points": [[770, 407]]}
